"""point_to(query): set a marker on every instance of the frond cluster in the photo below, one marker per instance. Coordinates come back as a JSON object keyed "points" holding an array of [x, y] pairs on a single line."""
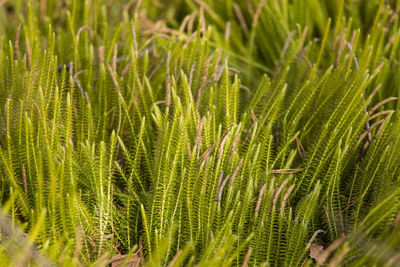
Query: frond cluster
{"points": [[201, 132]]}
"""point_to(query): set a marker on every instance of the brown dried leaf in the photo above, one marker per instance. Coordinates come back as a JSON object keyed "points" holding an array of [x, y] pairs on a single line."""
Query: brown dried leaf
{"points": [[315, 251]]}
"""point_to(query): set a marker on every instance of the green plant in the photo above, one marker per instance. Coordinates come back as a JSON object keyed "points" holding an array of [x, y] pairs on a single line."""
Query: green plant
{"points": [[247, 132]]}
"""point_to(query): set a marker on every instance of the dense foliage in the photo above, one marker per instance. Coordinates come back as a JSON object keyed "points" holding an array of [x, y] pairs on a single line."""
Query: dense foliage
{"points": [[199, 132]]}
